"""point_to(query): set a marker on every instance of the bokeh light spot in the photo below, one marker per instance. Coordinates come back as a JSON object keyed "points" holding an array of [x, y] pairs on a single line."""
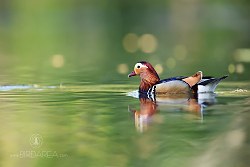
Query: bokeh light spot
{"points": [[180, 52], [159, 68], [148, 43], [57, 61], [171, 63], [231, 68], [242, 55], [240, 68], [122, 68], [130, 42]]}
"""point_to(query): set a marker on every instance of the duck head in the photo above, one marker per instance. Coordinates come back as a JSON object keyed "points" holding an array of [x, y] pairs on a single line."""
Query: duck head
{"points": [[147, 73]]}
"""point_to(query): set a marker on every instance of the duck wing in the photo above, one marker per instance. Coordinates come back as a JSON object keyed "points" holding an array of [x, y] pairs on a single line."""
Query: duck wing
{"points": [[194, 79], [172, 79]]}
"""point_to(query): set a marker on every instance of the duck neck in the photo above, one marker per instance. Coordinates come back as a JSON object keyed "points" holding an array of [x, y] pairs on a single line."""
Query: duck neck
{"points": [[148, 82]]}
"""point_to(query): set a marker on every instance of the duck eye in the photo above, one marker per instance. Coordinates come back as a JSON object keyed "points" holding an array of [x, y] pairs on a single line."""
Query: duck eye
{"points": [[138, 66]]}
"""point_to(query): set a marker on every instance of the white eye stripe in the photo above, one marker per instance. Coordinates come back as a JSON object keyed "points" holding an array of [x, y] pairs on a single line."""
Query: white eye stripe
{"points": [[139, 65]]}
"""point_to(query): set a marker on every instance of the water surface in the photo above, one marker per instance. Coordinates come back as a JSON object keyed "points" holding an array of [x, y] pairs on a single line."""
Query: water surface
{"points": [[97, 125]]}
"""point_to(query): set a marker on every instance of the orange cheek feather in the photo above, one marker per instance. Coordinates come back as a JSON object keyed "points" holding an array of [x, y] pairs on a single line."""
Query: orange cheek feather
{"points": [[137, 71]]}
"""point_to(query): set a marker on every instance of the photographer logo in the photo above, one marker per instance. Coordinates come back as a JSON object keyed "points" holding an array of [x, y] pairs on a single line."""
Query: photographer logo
{"points": [[36, 140]]}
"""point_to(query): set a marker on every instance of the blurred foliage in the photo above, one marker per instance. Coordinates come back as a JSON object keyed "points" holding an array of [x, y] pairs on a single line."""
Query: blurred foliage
{"points": [[89, 36]]}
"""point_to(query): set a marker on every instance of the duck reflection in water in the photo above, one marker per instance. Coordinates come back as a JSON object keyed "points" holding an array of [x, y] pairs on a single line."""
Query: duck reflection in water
{"points": [[149, 106]]}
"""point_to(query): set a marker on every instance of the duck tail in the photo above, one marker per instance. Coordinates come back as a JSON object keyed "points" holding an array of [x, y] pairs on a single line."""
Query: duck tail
{"points": [[208, 84]]}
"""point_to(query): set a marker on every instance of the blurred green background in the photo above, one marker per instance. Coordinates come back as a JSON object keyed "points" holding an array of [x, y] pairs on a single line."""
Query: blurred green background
{"points": [[83, 43], [53, 41]]}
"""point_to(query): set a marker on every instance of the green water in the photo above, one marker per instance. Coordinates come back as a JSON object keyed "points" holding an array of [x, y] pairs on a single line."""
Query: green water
{"points": [[93, 125]]}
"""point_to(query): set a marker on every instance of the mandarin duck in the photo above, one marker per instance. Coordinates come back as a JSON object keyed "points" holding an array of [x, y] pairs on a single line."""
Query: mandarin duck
{"points": [[151, 83]]}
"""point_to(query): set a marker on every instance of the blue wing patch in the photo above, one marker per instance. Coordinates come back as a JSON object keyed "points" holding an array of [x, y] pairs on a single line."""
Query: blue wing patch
{"points": [[171, 79]]}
